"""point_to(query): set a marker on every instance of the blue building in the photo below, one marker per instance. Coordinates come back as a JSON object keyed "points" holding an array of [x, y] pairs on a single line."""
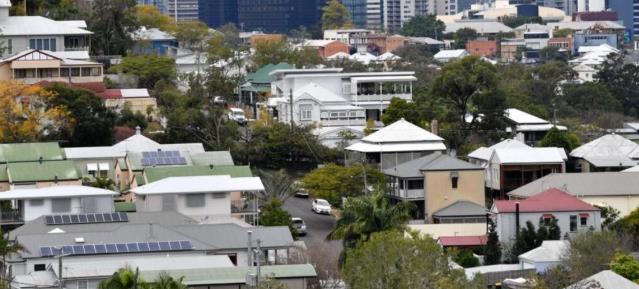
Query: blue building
{"points": [[279, 16], [357, 8], [586, 39], [216, 13], [628, 11], [154, 41]]}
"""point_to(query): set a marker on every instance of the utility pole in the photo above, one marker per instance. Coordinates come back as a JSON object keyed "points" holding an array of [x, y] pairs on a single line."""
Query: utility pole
{"points": [[259, 261], [290, 97], [249, 256], [60, 284]]}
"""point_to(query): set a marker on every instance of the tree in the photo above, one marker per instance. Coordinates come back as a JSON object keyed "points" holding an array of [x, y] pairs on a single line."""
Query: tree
{"points": [[269, 52], [589, 253], [622, 81], [492, 251], [609, 215], [528, 238], [591, 102], [630, 224], [150, 17], [113, 23], [363, 216], [563, 32], [277, 185], [7, 248], [92, 121], [626, 266], [124, 278], [332, 182], [464, 35], [515, 21], [552, 53], [148, 68], [468, 88], [102, 183], [563, 139], [399, 109], [273, 215], [465, 258], [392, 260], [335, 16], [424, 26], [27, 114], [166, 281], [131, 119]]}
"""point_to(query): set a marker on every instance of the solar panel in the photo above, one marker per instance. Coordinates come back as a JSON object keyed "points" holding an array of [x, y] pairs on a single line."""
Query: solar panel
{"points": [[132, 247], [93, 249], [78, 250], [74, 219], [164, 246], [89, 249], [67, 249], [57, 219], [115, 217], [175, 245], [100, 249], [154, 246], [49, 220], [152, 158], [121, 247], [111, 248], [124, 217], [144, 247], [186, 245], [45, 251], [86, 218], [99, 218], [66, 219]]}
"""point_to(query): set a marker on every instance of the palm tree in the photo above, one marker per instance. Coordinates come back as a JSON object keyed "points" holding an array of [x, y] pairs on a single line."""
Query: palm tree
{"points": [[277, 184], [166, 281], [7, 247], [125, 278], [363, 216]]}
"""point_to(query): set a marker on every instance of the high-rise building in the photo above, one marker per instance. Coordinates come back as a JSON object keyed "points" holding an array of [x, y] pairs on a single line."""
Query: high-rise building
{"points": [[628, 12], [279, 16], [357, 9], [591, 5], [182, 10], [374, 14], [396, 12], [216, 13], [160, 4]]}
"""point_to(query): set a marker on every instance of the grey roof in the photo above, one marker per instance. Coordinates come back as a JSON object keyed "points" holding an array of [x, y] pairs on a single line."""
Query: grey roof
{"points": [[461, 208], [605, 280], [481, 26], [433, 162], [584, 184], [143, 227]]}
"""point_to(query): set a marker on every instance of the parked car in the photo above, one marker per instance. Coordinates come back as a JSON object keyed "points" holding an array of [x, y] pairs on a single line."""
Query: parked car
{"points": [[299, 226], [301, 193], [237, 115], [321, 206], [219, 100]]}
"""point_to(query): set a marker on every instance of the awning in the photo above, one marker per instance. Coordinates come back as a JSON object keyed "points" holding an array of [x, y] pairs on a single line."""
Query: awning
{"points": [[548, 216], [584, 215], [104, 166], [92, 167]]}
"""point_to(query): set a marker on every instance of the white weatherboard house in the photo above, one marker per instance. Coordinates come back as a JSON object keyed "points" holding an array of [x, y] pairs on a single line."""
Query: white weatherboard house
{"points": [[19, 33], [610, 152], [201, 197], [395, 144], [481, 156], [529, 128], [33, 203], [450, 55], [546, 256]]}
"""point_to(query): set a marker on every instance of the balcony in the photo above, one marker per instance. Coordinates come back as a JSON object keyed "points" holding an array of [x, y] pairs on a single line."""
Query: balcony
{"points": [[344, 122], [11, 217], [244, 206], [380, 97]]}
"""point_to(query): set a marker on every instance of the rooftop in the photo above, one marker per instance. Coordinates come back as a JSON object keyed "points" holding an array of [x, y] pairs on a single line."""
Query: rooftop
{"points": [[28, 152], [584, 184], [42, 171], [549, 251], [200, 184], [402, 131], [610, 150], [606, 279], [40, 26], [446, 230], [530, 155], [157, 173], [451, 53], [431, 162], [461, 208], [551, 200], [521, 117], [459, 241], [484, 153], [481, 26], [55, 192]]}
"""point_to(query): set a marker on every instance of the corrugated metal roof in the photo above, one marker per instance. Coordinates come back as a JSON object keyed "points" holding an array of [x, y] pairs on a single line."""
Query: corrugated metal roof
{"points": [[26, 152], [536, 155], [215, 158], [549, 251], [38, 25], [234, 275], [200, 184], [610, 150], [455, 241], [263, 75], [55, 192], [551, 200], [521, 117], [461, 208], [605, 280], [45, 171], [432, 162], [401, 131], [482, 27], [584, 184], [157, 173]]}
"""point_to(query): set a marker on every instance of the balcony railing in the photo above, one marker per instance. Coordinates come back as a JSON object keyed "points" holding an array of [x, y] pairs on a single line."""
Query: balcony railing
{"points": [[344, 122], [11, 216], [380, 97], [243, 206]]}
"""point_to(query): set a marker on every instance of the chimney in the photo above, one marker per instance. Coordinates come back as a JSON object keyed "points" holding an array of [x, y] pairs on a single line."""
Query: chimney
{"points": [[5, 6], [138, 130], [434, 127], [517, 217]]}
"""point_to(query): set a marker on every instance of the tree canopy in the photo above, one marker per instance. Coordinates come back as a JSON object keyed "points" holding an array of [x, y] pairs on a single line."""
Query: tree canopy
{"points": [[150, 17], [148, 68], [332, 182], [335, 16], [113, 23], [563, 139], [398, 109], [424, 26]]}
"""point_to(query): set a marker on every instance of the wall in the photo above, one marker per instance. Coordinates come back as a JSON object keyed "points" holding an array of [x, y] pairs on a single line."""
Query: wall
{"points": [[103, 203], [482, 47], [625, 204], [212, 206], [334, 47], [506, 222], [81, 165], [439, 192]]}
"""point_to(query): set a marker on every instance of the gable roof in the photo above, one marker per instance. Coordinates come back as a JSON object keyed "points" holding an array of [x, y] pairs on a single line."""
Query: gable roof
{"points": [[461, 208], [521, 117], [401, 131], [551, 200], [29, 152], [55, 192], [200, 184], [456, 53], [431, 162], [215, 158], [530, 155], [263, 75], [610, 150], [44, 171], [549, 251], [584, 184], [38, 25], [157, 173], [484, 153], [319, 93], [606, 279]]}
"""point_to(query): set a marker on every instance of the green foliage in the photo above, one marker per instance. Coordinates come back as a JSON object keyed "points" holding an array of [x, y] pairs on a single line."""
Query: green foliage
{"points": [[464, 35], [465, 258], [592, 102], [149, 16], [148, 68], [622, 81], [399, 109], [515, 21], [131, 119], [589, 253], [112, 22], [363, 216], [335, 16], [609, 215], [528, 238], [424, 26], [7, 248], [492, 250], [124, 278], [277, 184], [332, 182], [552, 53], [417, 54], [277, 52], [563, 32], [626, 266], [272, 214], [563, 139], [630, 224], [92, 121], [269, 283], [392, 260], [103, 183]]}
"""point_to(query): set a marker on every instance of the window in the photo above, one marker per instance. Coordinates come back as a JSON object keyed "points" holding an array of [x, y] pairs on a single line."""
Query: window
{"points": [[36, 202], [573, 223], [454, 179], [64, 72], [83, 284], [75, 71], [39, 267], [20, 73], [307, 112], [86, 71], [10, 46], [415, 184], [195, 200], [61, 205], [583, 219]]}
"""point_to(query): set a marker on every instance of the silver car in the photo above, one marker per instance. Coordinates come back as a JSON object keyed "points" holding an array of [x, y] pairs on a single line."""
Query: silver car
{"points": [[299, 226]]}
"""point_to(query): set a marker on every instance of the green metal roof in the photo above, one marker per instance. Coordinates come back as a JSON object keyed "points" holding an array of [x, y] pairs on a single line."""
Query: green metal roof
{"points": [[3, 173], [263, 76], [29, 152], [45, 171], [125, 207], [158, 173], [123, 165], [139, 179], [233, 275], [216, 158]]}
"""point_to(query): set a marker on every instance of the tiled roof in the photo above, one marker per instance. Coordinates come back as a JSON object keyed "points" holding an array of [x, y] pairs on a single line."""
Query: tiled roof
{"points": [[551, 200], [463, 241]]}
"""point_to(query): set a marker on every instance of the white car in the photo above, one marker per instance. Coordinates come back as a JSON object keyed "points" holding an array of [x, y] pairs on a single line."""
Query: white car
{"points": [[237, 115], [321, 206]]}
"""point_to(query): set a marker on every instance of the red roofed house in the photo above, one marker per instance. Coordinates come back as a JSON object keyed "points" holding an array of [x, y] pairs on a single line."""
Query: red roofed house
{"points": [[463, 241], [573, 215]]}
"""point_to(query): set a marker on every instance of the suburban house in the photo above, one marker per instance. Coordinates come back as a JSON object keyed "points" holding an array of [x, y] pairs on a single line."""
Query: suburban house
{"points": [[169, 241], [203, 198], [510, 168], [30, 204], [137, 100], [481, 156], [527, 127], [573, 215], [95, 162], [610, 152], [35, 165], [395, 144], [21, 33], [353, 37], [482, 47], [154, 174], [259, 82], [34, 66], [593, 188], [460, 235], [328, 98], [444, 189], [606, 279], [546, 256], [325, 48], [450, 55], [154, 41]]}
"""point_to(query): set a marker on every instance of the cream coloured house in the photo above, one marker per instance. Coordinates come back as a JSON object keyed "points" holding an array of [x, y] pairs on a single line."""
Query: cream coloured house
{"points": [[137, 100], [38, 66]]}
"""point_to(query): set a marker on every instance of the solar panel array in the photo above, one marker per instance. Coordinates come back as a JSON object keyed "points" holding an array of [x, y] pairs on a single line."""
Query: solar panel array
{"points": [[86, 218], [116, 248], [159, 158]]}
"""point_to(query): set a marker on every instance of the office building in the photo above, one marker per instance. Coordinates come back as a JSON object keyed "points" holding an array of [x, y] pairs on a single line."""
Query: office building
{"points": [[592, 5], [160, 4], [279, 16], [627, 11], [357, 9], [216, 13], [182, 10], [374, 14]]}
